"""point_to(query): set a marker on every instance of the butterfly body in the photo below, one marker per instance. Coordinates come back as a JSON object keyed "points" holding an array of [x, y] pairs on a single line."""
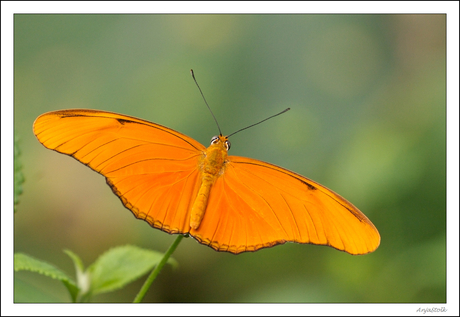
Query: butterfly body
{"points": [[230, 203], [211, 167]]}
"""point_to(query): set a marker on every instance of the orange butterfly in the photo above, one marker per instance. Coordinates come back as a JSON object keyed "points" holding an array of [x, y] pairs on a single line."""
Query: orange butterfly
{"points": [[229, 203]]}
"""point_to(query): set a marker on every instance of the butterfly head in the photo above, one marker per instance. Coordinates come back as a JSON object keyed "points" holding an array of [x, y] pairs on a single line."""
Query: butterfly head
{"points": [[220, 140]]}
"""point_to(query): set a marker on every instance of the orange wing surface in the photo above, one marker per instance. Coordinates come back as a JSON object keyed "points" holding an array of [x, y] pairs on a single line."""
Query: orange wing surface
{"points": [[153, 169], [261, 205], [229, 203]]}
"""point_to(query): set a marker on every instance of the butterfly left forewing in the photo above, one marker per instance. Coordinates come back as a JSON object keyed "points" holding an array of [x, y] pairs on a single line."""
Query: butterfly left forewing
{"points": [[153, 169]]}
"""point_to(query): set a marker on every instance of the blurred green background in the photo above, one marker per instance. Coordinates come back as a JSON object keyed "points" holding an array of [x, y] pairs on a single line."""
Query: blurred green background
{"points": [[368, 120]]}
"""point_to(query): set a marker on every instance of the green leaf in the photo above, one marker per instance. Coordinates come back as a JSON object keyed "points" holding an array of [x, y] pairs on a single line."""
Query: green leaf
{"points": [[76, 260], [18, 176], [120, 266], [23, 262], [83, 281]]}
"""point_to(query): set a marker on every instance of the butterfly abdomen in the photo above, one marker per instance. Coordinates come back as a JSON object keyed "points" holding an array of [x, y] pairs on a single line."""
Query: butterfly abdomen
{"points": [[201, 201]]}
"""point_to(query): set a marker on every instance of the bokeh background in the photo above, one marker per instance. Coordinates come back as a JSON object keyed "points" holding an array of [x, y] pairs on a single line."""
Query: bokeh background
{"points": [[368, 119]]}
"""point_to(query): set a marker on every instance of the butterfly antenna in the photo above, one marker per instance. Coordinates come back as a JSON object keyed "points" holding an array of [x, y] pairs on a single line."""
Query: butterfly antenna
{"points": [[260, 121], [193, 76]]}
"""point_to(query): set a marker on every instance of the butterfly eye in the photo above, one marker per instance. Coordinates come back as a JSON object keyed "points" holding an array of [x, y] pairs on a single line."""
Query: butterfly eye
{"points": [[214, 139], [228, 145]]}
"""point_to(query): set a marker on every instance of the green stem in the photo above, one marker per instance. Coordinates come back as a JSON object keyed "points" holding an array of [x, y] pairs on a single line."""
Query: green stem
{"points": [[157, 270]]}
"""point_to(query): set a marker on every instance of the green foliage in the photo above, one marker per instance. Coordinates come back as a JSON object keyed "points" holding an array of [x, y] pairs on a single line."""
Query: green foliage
{"points": [[83, 280], [121, 265], [24, 262], [112, 270], [18, 176]]}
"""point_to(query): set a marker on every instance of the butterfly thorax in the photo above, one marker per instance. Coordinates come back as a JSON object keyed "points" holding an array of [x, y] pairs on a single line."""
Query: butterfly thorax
{"points": [[212, 166]]}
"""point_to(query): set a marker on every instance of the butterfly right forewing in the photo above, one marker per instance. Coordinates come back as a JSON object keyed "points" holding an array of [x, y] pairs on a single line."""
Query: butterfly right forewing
{"points": [[256, 205]]}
